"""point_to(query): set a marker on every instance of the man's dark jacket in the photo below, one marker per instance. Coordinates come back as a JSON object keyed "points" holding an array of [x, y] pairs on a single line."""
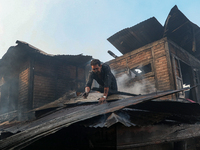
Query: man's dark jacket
{"points": [[105, 79]]}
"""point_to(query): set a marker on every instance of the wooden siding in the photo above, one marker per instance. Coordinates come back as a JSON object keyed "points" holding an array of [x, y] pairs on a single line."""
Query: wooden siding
{"points": [[176, 50], [180, 55], [183, 55]]}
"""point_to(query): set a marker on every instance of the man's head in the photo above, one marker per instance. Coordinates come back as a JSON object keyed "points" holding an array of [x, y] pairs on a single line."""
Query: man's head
{"points": [[96, 66]]}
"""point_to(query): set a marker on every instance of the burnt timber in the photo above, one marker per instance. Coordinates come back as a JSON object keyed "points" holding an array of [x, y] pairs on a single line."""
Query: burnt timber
{"points": [[165, 117]]}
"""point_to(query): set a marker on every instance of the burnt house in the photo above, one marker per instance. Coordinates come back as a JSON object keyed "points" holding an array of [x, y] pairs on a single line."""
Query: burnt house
{"points": [[166, 57], [164, 117], [31, 78]]}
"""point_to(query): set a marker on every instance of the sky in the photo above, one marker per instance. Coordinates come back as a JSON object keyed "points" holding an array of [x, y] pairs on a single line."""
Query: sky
{"points": [[73, 27]]}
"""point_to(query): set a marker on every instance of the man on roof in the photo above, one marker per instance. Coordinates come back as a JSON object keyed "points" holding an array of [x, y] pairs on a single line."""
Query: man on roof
{"points": [[104, 77]]}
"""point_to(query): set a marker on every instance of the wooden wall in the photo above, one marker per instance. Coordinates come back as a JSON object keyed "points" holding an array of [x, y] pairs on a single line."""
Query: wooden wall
{"points": [[159, 79], [180, 55], [183, 55]]}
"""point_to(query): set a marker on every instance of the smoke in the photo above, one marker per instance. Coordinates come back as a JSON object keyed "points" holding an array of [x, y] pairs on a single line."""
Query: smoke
{"points": [[8, 94], [127, 83]]}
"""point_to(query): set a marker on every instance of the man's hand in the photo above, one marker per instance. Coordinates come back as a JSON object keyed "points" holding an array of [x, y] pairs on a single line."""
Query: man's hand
{"points": [[85, 95], [102, 100]]}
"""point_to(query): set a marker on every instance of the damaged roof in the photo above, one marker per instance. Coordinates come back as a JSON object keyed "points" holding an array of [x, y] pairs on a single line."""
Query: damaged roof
{"points": [[75, 59], [137, 36], [182, 31], [177, 27], [121, 111], [15, 55]]}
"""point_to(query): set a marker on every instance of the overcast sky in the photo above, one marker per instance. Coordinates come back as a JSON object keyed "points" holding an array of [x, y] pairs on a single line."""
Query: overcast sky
{"points": [[73, 27]]}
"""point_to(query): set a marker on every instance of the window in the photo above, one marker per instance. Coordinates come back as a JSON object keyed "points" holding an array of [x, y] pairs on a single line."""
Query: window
{"points": [[142, 70], [184, 78], [186, 73]]}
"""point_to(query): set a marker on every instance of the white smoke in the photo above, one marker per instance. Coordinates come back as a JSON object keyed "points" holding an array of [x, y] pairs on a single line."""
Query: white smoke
{"points": [[142, 86]]}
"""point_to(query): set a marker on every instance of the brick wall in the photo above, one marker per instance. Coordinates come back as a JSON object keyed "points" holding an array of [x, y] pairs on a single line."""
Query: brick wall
{"points": [[162, 73], [44, 81], [44, 90], [66, 78], [154, 54], [53, 78], [23, 103], [81, 74]]}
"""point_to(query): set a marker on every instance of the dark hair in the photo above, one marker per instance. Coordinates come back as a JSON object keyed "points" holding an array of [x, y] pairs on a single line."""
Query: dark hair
{"points": [[95, 62]]}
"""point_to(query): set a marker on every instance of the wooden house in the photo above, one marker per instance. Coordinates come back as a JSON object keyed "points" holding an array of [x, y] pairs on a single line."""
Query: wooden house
{"points": [[31, 78]]}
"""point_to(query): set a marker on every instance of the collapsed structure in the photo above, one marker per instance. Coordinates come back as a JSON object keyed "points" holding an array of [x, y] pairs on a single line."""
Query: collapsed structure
{"points": [[163, 59]]}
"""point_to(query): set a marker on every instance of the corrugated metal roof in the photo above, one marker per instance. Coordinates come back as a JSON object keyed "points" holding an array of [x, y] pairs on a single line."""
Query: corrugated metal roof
{"points": [[137, 36], [149, 113], [76, 59], [177, 27], [174, 107], [71, 98], [49, 124], [15, 55], [182, 31], [23, 49], [34, 49]]}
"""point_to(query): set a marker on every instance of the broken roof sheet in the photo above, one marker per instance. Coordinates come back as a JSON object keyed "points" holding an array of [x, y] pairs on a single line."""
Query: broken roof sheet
{"points": [[15, 55], [137, 36], [72, 98], [182, 31], [141, 117], [177, 27], [33, 48], [66, 116], [75, 59], [24, 49]]}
